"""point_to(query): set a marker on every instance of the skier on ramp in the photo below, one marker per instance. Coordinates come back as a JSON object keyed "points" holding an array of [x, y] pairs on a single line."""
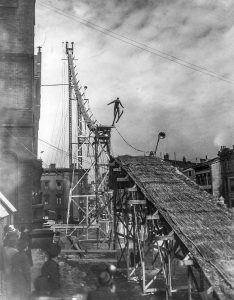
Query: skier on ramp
{"points": [[117, 113]]}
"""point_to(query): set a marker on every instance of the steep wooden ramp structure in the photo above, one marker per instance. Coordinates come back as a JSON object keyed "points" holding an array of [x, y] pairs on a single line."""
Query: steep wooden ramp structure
{"points": [[157, 207]]}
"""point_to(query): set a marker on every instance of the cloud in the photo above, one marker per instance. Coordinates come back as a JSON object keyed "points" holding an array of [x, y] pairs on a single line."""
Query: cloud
{"points": [[158, 94]]}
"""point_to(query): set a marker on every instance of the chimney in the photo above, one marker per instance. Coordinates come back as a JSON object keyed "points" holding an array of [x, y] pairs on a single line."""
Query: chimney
{"points": [[166, 156], [184, 159], [52, 166]]}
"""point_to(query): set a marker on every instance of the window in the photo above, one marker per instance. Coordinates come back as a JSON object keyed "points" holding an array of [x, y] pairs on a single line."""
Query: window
{"points": [[59, 200], [203, 179], [209, 179], [46, 185], [231, 185], [46, 199], [190, 173], [59, 185]]}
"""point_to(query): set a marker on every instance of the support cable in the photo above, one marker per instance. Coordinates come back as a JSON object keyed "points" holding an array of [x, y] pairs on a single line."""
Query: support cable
{"points": [[139, 45], [22, 144], [143, 151]]}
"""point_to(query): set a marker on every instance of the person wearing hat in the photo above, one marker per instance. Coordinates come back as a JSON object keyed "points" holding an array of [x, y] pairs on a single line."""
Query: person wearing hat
{"points": [[21, 272], [8, 251], [105, 290], [25, 235], [10, 233], [50, 269]]}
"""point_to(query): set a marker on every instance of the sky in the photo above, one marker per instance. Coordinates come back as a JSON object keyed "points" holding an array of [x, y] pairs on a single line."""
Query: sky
{"points": [[171, 63]]}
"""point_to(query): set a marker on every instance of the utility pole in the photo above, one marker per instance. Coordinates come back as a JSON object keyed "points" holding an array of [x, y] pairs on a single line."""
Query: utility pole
{"points": [[70, 105], [70, 124]]}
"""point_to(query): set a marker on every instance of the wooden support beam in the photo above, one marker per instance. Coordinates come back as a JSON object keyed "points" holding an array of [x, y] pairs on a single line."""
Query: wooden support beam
{"points": [[97, 260], [132, 189], [155, 216], [123, 179], [54, 227], [164, 238], [189, 284], [117, 169], [135, 202], [73, 251], [187, 262]]}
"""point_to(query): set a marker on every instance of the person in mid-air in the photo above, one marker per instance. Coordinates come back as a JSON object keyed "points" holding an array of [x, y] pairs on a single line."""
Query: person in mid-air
{"points": [[117, 113]]}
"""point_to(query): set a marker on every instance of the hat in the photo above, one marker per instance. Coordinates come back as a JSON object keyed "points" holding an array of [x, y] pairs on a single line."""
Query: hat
{"points": [[11, 228], [53, 250], [104, 278]]}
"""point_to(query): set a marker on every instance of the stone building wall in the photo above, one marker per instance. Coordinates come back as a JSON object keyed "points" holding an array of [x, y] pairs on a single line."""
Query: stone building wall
{"points": [[18, 130], [216, 178]]}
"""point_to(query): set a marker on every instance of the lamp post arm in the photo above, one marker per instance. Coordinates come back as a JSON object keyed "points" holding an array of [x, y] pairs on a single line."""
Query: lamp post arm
{"points": [[155, 151]]}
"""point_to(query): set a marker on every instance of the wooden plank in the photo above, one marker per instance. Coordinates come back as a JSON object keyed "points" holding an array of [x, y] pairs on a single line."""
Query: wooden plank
{"points": [[72, 251], [153, 290], [155, 216], [97, 260], [132, 189], [117, 169], [187, 262], [135, 202], [88, 251], [122, 179], [75, 227], [164, 238]]}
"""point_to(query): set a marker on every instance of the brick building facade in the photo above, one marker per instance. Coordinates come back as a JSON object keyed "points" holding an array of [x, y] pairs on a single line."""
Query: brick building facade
{"points": [[216, 175], [19, 107], [55, 187]]}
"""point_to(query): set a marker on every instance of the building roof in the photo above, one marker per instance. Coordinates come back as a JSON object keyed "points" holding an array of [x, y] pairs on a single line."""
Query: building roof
{"points": [[3, 212], [5, 206], [203, 227]]}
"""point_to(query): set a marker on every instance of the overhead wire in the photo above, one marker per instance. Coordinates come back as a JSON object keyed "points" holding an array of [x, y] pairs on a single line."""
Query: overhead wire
{"points": [[55, 84], [139, 150], [22, 144], [56, 148], [138, 45]]}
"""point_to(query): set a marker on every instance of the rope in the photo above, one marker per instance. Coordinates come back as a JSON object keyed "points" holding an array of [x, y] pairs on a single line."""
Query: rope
{"points": [[137, 44], [23, 145], [143, 151]]}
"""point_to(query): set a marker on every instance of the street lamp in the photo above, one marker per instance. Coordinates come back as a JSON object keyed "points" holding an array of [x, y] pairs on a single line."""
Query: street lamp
{"points": [[161, 136]]}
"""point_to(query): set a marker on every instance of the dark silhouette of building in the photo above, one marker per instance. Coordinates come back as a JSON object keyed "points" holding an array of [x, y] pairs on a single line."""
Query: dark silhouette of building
{"points": [[20, 169], [180, 164], [223, 175], [216, 175]]}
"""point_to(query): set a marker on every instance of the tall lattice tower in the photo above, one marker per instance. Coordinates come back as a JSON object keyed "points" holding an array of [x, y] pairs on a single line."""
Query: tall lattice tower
{"points": [[89, 150]]}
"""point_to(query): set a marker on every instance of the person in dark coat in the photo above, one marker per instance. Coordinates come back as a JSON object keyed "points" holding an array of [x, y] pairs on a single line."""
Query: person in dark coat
{"points": [[8, 251], [50, 269], [21, 273], [41, 287], [25, 235], [105, 290]]}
